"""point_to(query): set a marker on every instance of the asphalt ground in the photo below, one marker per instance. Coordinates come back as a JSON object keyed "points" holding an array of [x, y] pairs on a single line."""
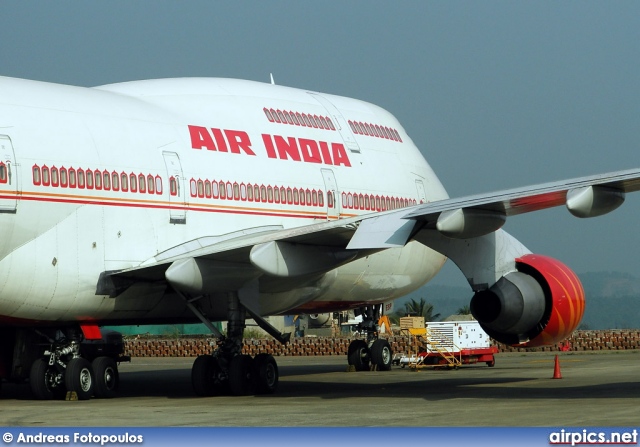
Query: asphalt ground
{"points": [[596, 389]]}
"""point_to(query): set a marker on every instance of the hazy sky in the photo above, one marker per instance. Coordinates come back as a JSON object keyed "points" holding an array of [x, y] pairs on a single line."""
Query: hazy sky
{"points": [[496, 94]]}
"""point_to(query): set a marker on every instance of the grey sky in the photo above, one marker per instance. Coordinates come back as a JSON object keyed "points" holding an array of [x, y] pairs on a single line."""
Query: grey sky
{"points": [[497, 94]]}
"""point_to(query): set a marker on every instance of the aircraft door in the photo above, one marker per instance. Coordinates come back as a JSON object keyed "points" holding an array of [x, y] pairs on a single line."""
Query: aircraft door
{"points": [[340, 123], [331, 187], [177, 193], [8, 177]]}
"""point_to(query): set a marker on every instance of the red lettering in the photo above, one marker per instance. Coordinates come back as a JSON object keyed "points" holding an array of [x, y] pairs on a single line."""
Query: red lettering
{"points": [[239, 140], [222, 145], [326, 156], [268, 144], [200, 138], [340, 155], [284, 148], [310, 152], [276, 146]]}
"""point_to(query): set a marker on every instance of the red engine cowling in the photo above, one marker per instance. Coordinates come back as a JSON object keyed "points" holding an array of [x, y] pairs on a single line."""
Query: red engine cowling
{"points": [[540, 304]]}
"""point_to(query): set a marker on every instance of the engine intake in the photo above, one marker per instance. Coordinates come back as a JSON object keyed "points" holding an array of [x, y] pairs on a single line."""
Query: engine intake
{"points": [[540, 304]]}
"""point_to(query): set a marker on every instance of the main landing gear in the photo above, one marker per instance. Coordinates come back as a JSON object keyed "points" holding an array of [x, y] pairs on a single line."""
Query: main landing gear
{"points": [[78, 369], [227, 370], [372, 352]]}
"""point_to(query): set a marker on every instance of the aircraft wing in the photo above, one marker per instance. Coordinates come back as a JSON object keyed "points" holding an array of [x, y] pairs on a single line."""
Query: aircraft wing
{"points": [[323, 246], [480, 214]]}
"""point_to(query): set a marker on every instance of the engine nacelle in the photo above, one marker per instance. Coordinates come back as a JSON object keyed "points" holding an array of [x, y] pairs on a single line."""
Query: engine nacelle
{"points": [[540, 304]]}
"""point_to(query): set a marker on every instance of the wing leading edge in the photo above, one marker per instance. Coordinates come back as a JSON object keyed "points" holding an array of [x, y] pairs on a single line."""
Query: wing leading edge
{"points": [[327, 245]]}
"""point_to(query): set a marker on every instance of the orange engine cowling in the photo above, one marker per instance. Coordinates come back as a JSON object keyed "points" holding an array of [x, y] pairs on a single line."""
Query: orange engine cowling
{"points": [[540, 304]]}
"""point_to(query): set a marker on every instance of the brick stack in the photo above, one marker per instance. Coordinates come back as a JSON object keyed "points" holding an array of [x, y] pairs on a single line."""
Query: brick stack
{"points": [[194, 346]]}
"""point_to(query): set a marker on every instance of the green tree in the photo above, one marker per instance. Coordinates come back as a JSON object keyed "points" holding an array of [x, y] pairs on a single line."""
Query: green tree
{"points": [[464, 310], [416, 308]]}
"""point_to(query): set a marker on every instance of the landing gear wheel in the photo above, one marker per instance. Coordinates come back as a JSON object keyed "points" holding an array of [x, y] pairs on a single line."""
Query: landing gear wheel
{"points": [[241, 375], [45, 381], [381, 355], [207, 376], [358, 355], [265, 373], [79, 378], [105, 371]]}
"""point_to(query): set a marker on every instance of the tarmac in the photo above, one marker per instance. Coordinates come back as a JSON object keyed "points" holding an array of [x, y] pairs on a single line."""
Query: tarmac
{"points": [[595, 389]]}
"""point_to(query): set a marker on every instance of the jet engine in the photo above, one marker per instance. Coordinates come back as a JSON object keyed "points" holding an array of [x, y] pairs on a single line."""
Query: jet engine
{"points": [[540, 304]]}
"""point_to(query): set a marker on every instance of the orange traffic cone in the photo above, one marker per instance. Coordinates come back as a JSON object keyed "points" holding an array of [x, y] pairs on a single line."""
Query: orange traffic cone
{"points": [[556, 369]]}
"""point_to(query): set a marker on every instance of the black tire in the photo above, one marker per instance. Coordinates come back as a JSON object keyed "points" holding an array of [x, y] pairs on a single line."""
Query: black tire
{"points": [[358, 355], [381, 355], [105, 371], [241, 376], [42, 379], [207, 377], [492, 363], [266, 373], [79, 378]]}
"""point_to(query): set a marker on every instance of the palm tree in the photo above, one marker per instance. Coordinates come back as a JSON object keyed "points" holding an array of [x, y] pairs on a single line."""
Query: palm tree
{"points": [[418, 308], [464, 310]]}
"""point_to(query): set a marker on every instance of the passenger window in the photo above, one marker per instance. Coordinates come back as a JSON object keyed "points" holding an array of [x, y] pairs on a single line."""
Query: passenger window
{"points": [[142, 183], [45, 176], [200, 188], [115, 181], [36, 174], [64, 179], [124, 182], [215, 190], [55, 180], [81, 179]]}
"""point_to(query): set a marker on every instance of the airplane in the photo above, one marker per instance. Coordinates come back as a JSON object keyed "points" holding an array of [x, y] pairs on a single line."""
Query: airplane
{"points": [[210, 199]]}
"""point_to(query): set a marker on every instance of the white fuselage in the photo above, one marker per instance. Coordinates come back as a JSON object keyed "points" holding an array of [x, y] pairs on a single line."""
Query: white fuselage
{"points": [[106, 179]]}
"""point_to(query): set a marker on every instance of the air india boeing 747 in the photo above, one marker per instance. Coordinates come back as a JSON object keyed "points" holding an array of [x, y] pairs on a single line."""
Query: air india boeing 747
{"points": [[188, 200]]}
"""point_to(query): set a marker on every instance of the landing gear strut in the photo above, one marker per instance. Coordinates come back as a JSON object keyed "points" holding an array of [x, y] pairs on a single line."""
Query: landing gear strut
{"points": [[372, 352], [227, 370]]}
